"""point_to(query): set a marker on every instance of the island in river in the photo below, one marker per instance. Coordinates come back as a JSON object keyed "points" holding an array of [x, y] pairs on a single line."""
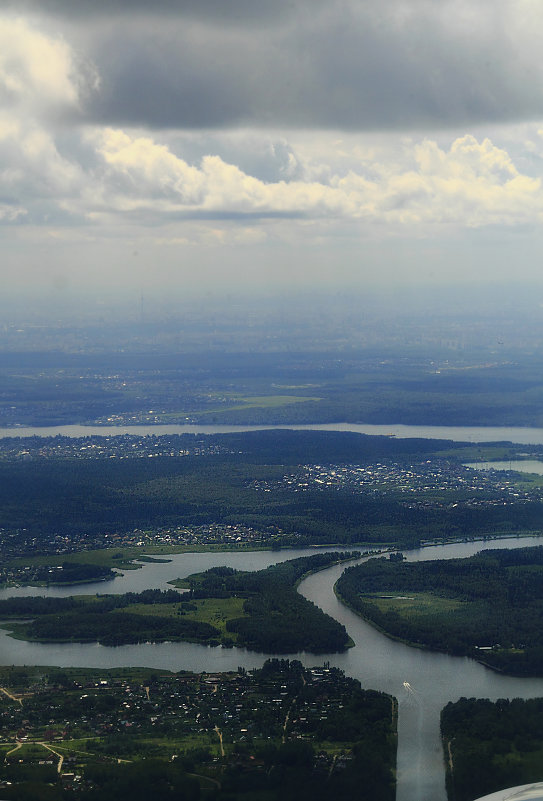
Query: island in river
{"points": [[488, 607], [260, 610]]}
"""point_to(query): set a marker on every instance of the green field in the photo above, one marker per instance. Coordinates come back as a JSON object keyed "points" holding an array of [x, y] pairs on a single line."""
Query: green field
{"points": [[415, 604], [268, 401], [239, 403], [216, 611]]}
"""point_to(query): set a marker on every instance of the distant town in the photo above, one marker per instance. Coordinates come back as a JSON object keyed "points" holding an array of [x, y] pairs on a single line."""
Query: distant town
{"points": [[466, 486]]}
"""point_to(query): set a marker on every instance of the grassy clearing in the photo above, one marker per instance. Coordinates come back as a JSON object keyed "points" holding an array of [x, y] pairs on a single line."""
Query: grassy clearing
{"points": [[189, 741], [482, 452], [34, 751], [415, 604], [529, 481], [259, 402], [77, 746], [240, 403], [270, 401], [216, 611]]}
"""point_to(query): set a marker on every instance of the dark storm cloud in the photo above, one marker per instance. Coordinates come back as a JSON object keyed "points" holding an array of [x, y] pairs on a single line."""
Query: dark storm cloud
{"points": [[293, 63], [230, 11]]}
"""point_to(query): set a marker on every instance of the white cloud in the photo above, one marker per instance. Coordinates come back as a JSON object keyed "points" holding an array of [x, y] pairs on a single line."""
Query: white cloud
{"points": [[36, 70], [39, 85], [111, 176], [472, 183], [11, 213]]}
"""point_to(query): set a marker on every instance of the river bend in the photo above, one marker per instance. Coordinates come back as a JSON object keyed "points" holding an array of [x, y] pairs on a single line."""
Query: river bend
{"points": [[377, 661]]}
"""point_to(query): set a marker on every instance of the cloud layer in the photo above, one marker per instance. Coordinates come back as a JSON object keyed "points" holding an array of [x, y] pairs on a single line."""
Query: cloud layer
{"points": [[304, 122], [339, 64]]}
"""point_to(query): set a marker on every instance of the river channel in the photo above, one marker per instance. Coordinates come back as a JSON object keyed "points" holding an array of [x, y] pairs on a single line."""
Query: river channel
{"points": [[520, 435], [378, 662]]}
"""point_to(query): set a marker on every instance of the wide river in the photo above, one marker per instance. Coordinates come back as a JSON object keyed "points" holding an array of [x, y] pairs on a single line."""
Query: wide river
{"points": [[422, 681], [524, 436]]}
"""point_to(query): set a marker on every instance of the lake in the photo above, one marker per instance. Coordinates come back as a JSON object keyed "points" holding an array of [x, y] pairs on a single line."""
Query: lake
{"points": [[521, 435], [378, 662]]}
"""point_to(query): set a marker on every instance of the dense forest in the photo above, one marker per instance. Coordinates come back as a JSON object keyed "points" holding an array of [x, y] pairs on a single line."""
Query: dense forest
{"points": [[490, 746], [489, 607], [72, 573], [276, 618], [78, 619]]}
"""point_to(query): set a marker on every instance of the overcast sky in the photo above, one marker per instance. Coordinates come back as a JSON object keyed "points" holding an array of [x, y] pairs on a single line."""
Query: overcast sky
{"points": [[305, 143]]}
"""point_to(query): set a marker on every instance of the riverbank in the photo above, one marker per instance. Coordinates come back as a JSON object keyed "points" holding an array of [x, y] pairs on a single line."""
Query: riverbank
{"points": [[133, 559], [485, 607], [375, 660]]}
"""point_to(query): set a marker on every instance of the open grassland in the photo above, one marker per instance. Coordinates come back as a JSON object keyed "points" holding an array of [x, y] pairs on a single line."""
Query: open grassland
{"points": [[216, 611], [415, 604], [236, 403], [268, 401]]}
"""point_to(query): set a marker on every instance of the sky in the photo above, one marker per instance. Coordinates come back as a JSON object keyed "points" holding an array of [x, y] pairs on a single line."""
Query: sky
{"points": [[202, 145]]}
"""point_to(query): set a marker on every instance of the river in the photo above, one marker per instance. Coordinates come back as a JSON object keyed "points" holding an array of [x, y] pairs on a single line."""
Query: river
{"points": [[377, 661], [520, 435], [518, 465]]}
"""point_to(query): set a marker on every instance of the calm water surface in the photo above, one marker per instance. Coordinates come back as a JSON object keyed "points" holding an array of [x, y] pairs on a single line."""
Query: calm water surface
{"points": [[518, 465], [524, 436], [378, 662]]}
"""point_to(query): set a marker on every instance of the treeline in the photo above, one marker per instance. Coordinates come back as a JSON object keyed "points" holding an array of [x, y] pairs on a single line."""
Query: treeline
{"points": [[492, 745], [86, 625], [73, 573], [495, 614], [38, 605]]}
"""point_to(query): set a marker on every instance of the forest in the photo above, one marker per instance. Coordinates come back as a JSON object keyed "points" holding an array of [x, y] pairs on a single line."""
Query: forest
{"points": [[489, 746], [489, 606], [275, 617], [245, 387]]}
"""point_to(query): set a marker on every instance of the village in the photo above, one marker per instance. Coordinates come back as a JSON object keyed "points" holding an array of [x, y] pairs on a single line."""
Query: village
{"points": [[20, 546], [447, 481], [55, 721]]}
